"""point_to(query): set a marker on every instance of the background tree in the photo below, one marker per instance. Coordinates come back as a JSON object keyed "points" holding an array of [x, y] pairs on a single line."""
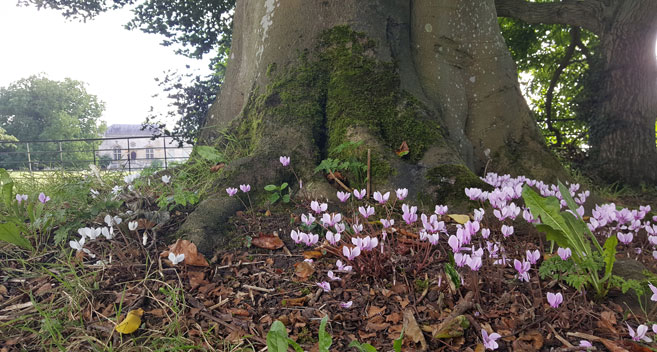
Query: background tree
{"points": [[623, 99], [37, 108]]}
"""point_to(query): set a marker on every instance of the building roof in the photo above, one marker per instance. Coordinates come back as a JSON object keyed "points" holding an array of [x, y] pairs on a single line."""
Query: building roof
{"points": [[122, 129]]}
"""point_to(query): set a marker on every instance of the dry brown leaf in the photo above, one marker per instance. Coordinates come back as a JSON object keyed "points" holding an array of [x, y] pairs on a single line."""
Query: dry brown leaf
{"points": [[217, 167], [192, 256], [267, 242], [403, 149], [45, 288], [365, 335], [635, 347], [312, 254], [412, 330], [394, 317], [235, 336], [608, 322], [374, 310], [196, 279], [479, 348], [157, 312], [534, 337], [3, 290], [145, 224], [294, 302], [239, 311], [303, 270], [371, 326]]}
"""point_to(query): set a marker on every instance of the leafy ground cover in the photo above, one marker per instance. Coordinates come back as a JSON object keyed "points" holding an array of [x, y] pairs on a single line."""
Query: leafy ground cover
{"points": [[374, 269]]}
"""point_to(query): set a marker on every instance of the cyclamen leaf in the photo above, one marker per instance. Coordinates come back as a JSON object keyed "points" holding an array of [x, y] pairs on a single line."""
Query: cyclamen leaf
{"points": [[283, 186], [547, 209], [325, 339], [271, 188], [397, 344]]}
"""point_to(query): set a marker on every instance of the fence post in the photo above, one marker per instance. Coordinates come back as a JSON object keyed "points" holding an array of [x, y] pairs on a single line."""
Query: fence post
{"points": [[164, 143], [61, 156], [93, 150], [129, 167], [29, 159]]}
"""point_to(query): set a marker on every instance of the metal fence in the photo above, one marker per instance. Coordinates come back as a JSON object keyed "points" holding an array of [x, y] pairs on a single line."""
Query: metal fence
{"points": [[111, 153]]}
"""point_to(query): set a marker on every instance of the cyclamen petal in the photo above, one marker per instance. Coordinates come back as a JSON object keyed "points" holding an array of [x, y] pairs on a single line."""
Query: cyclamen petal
{"points": [[401, 193], [325, 286], [346, 305]]}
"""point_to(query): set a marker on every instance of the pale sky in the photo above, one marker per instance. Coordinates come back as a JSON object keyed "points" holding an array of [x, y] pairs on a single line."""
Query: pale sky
{"points": [[119, 66]]}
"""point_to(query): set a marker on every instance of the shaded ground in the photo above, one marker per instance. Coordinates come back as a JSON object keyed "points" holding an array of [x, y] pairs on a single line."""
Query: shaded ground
{"points": [[47, 302]]}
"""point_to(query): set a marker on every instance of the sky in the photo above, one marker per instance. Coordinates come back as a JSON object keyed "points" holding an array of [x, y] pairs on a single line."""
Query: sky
{"points": [[119, 66]]}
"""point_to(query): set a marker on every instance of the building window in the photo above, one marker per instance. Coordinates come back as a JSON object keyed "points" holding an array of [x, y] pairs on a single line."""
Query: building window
{"points": [[117, 153], [150, 153], [133, 156]]}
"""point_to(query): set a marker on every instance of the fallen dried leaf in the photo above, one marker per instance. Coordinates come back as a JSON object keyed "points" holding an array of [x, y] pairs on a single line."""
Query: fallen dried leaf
{"points": [[294, 302], [374, 310], [303, 270], [607, 322], [217, 167], [312, 254], [403, 149], [534, 337], [371, 326], [267, 242], [460, 218], [449, 328], [192, 256], [239, 311], [196, 279], [412, 330]]}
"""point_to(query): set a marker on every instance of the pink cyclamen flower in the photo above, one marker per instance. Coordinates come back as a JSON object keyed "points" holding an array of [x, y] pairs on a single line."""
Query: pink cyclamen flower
{"points": [[307, 219], [523, 269], [43, 198], [346, 305], [490, 340], [325, 286], [654, 292], [332, 238], [285, 160], [585, 343], [485, 232], [342, 267], [401, 193], [554, 299], [441, 209], [343, 196], [245, 188], [332, 276], [317, 207], [534, 256], [387, 223], [507, 231], [366, 212], [473, 193], [21, 197], [231, 191], [625, 238], [474, 262], [640, 333], [564, 253], [351, 253], [360, 194], [381, 198]]}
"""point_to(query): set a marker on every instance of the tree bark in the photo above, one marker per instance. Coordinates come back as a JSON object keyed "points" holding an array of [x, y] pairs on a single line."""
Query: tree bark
{"points": [[622, 138], [306, 76]]}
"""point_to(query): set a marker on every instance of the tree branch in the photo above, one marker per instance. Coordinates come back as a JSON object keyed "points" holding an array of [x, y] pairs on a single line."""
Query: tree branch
{"points": [[565, 61], [587, 14]]}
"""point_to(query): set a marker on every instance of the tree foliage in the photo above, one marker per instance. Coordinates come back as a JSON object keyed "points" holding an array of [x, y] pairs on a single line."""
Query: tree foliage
{"points": [[554, 63], [37, 108]]}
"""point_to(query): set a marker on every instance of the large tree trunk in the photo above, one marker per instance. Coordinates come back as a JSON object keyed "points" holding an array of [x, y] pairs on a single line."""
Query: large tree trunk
{"points": [[622, 137], [308, 75]]}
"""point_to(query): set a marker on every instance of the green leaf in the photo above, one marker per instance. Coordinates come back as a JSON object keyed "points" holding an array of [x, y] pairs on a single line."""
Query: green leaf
{"points": [[277, 340], [325, 339], [295, 345], [283, 186], [210, 153], [274, 198], [397, 344], [271, 188], [547, 209], [453, 275], [365, 347], [9, 232], [609, 254], [286, 198]]}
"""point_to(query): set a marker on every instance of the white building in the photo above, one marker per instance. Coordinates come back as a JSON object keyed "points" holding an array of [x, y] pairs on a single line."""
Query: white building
{"points": [[136, 149]]}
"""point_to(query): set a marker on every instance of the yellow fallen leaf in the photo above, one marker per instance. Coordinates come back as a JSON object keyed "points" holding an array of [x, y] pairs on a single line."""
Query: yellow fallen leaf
{"points": [[460, 218], [131, 322]]}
